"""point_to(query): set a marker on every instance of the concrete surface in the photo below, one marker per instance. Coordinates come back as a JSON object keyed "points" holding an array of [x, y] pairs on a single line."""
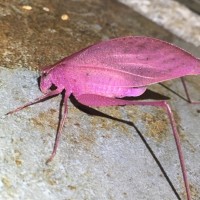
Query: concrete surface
{"points": [[35, 38], [172, 15], [192, 4], [98, 158]]}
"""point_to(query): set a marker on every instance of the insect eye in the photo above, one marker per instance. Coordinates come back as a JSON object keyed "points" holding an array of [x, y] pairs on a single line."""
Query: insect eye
{"points": [[44, 74], [53, 87]]}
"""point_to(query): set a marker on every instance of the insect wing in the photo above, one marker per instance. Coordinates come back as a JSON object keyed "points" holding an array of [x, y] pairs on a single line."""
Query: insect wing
{"points": [[143, 60]]}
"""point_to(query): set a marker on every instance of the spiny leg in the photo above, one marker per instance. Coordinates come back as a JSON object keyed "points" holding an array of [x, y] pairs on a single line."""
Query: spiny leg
{"points": [[165, 105], [95, 100], [180, 152], [52, 93], [187, 93], [59, 132]]}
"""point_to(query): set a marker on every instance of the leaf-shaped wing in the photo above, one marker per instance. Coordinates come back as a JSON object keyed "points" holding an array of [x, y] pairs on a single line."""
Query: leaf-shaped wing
{"points": [[139, 61]]}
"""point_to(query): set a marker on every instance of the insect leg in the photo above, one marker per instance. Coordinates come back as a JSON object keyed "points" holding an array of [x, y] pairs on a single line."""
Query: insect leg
{"points": [[187, 93], [59, 132], [95, 100], [165, 105], [52, 93]]}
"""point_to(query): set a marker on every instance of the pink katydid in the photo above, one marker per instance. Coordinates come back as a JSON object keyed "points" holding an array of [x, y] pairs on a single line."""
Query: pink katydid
{"points": [[101, 74]]}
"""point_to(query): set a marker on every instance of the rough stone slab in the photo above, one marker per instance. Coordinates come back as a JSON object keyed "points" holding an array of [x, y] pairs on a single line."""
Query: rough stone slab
{"points": [[35, 38], [192, 4], [172, 15], [98, 158]]}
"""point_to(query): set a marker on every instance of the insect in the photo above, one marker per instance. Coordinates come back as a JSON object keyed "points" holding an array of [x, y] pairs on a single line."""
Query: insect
{"points": [[102, 74]]}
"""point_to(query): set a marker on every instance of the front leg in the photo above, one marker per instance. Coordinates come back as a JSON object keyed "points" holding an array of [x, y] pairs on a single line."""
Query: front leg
{"points": [[50, 94], [60, 128]]}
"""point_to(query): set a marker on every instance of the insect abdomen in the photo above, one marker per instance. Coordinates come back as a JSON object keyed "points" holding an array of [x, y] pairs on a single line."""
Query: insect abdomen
{"points": [[114, 91]]}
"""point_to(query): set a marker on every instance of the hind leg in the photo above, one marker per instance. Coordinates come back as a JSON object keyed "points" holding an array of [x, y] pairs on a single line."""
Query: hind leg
{"points": [[95, 100], [187, 93]]}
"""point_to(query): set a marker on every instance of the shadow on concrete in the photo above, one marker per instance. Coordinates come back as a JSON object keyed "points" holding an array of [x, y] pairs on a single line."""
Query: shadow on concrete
{"points": [[94, 112]]}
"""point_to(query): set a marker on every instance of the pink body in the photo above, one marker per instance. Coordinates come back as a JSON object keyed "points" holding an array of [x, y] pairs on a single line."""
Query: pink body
{"points": [[120, 67], [101, 74]]}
